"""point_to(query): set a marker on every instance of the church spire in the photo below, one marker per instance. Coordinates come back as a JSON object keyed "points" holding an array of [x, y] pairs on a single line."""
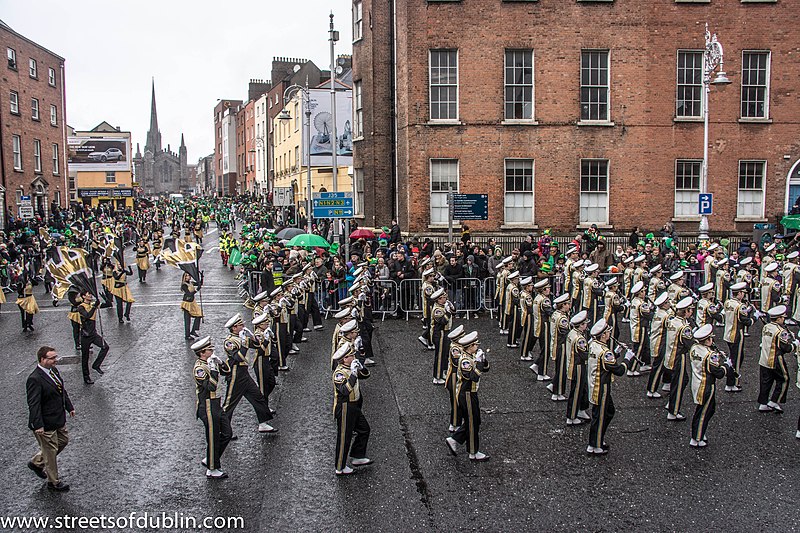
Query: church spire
{"points": [[153, 135]]}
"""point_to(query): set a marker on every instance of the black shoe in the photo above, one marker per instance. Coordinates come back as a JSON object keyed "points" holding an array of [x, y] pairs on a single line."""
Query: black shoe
{"points": [[30, 327], [190, 338], [127, 318], [88, 381], [98, 370], [121, 321], [58, 487], [37, 470]]}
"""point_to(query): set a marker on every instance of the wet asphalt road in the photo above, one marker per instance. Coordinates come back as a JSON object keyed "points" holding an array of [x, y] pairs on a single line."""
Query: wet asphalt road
{"points": [[135, 445]]}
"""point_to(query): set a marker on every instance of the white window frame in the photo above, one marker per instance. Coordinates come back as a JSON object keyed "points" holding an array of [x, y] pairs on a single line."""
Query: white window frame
{"points": [[37, 155], [13, 100], [16, 147], [33, 69], [358, 187], [11, 54], [35, 109], [431, 86], [588, 119], [51, 76], [111, 176], [765, 86], [55, 159], [686, 198], [438, 197], [678, 85], [585, 196], [358, 20], [513, 86], [358, 110], [53, 115], [519, 194], [739, 190]]}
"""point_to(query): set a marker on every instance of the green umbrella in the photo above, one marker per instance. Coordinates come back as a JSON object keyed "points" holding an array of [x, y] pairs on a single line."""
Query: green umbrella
{"points": [[308, 240], [791, 222]]}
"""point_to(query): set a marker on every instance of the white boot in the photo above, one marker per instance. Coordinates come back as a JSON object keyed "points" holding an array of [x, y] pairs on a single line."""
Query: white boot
{"points": [[344, 471], [480, 456], [263, 427], [216, 474]]}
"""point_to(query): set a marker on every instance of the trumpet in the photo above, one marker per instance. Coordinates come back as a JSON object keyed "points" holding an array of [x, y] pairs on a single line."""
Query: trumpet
{"points": [[628, 349]]}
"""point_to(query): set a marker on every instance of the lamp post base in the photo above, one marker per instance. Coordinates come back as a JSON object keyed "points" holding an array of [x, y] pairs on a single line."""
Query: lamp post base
{"points": [[703, 228]]}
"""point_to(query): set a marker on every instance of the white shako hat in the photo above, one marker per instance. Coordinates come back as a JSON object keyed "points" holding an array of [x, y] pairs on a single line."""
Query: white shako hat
{"points": [[778, 310], [468, 339], [708, 287], [349, 326], [599, 327], [513, 275], [677, 275], [703, 332], [263, 317], [542, 284], [561, 299], [260, 296], [579, 318], [686, 302], [202, 344], [661, 299], [457, 333], [342, 313], [592, 267], [235, 320], [736, 287], [637, 287], [745, 261], [343, 350], [437, 293], [772, 267]]}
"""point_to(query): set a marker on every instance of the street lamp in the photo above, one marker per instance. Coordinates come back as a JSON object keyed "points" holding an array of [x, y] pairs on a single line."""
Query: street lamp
{"points": [[261, 143], [305, 95], [712, 58]]}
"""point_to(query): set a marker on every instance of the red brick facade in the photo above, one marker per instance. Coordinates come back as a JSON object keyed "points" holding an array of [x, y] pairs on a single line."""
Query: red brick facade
{"points": [[26, 81], [643, 141]]}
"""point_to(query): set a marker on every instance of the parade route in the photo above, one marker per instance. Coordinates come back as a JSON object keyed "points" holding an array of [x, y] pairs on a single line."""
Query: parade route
{"points": [[135, 444]]}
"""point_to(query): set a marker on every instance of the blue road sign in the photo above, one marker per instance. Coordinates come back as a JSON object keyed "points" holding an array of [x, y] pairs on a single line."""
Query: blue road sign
{"points": [[332, 204], [705, 204], [470, 206]]}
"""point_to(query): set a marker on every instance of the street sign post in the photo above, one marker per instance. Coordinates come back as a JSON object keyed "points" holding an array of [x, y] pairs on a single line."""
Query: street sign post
{"points": [[705, 204], [470, 206], [26, 211], [332, 204]]}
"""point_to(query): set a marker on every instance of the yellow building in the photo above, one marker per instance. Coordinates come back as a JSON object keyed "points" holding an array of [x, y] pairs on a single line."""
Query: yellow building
{"points": [[100, 169], [290, 142]]}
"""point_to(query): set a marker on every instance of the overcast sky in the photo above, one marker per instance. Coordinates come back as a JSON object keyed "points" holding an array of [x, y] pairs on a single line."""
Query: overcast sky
{"points": [[197, 51]]}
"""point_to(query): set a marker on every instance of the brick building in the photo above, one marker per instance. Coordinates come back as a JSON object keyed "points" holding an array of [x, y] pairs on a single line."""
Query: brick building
{"points": [[573, 112], [32, 127]]}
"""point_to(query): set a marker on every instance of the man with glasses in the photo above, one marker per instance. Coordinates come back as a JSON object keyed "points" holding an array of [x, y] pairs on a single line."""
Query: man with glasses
{"points": [[48, 403]]}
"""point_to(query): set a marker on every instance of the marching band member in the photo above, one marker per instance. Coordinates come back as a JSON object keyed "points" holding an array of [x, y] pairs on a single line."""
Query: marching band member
{"points": [[451, 379], [722, 283], [656, 285], [121, 291], [707, 368], [542, 309], [348, 333], [602, 364], [264, 364], [26, 303], [577, 353], [571, 257], [89, 336], [627, 281], [748, 274], [207, 370], [500, 291], [343, 317], [107, 269], [158, 245], [143, 259], [593, 289], [441, 321], [576, 285], [737, 318], [470, 367], [679, 341], [240, 384], [259, 303], [559, 329], [512, 309], [709, 311], [347, 410], [526, 320], [640, 313], [427, 289], [283, 336], [791, 283], [74, 316], [191, 310], [677, 289], [658, 344], [776, 342], [639, 272], [614, 305], [770, 288]]}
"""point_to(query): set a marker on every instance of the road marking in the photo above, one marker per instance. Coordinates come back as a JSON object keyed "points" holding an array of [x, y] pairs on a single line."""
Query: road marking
{"points": [[136, 305]]}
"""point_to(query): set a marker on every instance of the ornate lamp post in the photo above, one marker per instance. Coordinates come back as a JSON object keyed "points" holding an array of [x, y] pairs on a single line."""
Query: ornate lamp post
{"points": [[305, 95], [712, 58]]}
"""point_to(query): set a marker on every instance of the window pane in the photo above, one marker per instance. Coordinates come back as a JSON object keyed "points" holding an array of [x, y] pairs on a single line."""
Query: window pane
{"points": [[689, 84], [443, 84], [519, 84], [594, 85], [755, 83]]}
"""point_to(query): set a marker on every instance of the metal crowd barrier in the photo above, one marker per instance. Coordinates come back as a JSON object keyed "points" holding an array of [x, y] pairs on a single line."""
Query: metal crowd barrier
{"points": [[385, 293], [466, 295], [410, 296]]}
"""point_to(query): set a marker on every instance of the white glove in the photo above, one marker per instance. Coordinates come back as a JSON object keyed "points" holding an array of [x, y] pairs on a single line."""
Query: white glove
{"points": [[629, 355], [728, 362], [617, 350], [479, 356], [355, 365]]}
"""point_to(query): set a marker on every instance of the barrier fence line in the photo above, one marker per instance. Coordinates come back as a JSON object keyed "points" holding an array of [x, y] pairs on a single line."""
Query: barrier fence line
{"points": [[468, 295]]}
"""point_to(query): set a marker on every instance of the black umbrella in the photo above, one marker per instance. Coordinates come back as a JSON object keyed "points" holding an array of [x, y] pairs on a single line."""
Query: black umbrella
{"points": [[288, 233]]}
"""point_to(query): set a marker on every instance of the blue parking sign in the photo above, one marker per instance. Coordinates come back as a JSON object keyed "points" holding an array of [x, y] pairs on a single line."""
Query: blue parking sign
{"points": [[705, 204]]}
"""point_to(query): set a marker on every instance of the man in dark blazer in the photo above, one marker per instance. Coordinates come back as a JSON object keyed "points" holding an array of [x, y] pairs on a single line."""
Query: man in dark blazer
{"points": [[48, 403]]}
